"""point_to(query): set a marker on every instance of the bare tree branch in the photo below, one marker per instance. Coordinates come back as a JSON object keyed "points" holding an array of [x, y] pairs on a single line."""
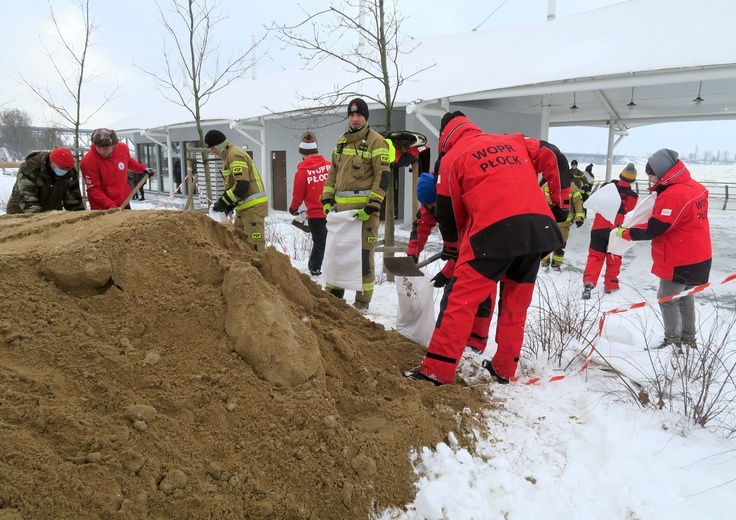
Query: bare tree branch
{"points": [[65, 98], [373, 58], [192, 67]]}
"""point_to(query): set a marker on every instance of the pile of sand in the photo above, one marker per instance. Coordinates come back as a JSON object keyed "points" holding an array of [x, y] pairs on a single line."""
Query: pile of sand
{"points": [[152, 366]]}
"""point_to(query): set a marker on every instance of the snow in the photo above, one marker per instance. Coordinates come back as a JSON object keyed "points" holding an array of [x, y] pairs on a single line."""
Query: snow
{"points": [[582, 447]]}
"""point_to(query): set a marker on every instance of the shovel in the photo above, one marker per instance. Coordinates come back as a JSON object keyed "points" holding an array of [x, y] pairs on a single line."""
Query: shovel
{"points": [[135, 190], [405, 266], [300, 222]]}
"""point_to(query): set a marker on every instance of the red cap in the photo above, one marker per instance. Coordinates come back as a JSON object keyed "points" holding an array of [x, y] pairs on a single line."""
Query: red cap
{"points": [[62, 158]]}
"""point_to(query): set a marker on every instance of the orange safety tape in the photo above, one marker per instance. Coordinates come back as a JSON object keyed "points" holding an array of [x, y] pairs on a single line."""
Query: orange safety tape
{"points": [[619, 310]]}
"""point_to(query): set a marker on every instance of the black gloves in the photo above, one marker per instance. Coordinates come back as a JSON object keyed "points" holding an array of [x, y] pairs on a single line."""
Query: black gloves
{"points": [[449, 252], [440, 280], [150, 172], [222, 206], [294, 212], [578, 223], [416, 259]]}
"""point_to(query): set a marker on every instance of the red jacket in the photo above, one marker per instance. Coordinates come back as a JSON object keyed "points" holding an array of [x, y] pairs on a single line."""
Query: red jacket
{"points": [[498, 208], [420, 231], [679, 229], [106, 179], [628, 202], [309, 183]]}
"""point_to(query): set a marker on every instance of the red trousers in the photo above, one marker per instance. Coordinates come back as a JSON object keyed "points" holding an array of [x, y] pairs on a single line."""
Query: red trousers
{"points": [[594, 266], [472, 284]]}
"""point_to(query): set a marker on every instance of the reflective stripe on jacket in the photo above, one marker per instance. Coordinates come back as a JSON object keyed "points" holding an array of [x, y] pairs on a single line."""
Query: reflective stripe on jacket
{"points": [[236, 166]]}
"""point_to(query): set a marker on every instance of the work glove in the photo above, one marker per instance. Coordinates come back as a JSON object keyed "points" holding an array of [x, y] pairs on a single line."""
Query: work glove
{"points": [[623, 232], [150, 172], [578, 223], [330, 206], [222, 206], [449, 252], [440, 280], [415, 258], [294, 212], [364, 214]]}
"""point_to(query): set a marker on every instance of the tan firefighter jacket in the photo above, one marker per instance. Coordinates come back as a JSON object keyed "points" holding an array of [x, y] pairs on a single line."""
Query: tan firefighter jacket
{"points": [[359, 175]]}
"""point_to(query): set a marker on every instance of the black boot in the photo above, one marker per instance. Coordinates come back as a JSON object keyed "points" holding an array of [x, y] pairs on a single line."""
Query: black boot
{"points": [[489, 366]]}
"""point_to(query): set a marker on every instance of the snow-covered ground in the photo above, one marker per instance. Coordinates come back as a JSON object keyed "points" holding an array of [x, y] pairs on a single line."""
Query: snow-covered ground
{"points": [[579, 448]]}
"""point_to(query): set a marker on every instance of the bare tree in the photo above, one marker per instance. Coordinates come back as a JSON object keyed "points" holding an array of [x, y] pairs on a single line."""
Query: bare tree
{"points": [[64, 96], [16, 131], [193, 68], [50, 137], [372, 29]]}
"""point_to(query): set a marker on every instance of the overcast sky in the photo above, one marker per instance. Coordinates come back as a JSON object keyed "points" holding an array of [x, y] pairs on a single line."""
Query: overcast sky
{"points": [[130, 36]]}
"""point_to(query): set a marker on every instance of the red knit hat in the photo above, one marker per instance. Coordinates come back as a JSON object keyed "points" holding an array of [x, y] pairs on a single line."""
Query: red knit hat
{"points": [[62, 158]]}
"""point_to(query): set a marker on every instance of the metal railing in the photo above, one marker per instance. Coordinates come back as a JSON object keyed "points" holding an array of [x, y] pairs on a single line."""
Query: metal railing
{"points": [[717, 191]]}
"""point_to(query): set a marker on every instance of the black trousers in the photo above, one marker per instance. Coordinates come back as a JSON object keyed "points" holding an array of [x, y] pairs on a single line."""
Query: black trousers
{"points": [[318, 229]]}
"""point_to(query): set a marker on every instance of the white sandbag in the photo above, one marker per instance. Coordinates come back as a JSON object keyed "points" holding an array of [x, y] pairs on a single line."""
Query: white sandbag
{"points": [[218, 216], [343, 265], [639, 215], [415, 313], [604, 201]]}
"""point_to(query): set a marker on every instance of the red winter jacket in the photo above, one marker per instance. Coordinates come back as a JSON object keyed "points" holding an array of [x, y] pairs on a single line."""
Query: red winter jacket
{"points": [[106, 178], [309, 183], [679, 229], [498, 208], [628, 203]]}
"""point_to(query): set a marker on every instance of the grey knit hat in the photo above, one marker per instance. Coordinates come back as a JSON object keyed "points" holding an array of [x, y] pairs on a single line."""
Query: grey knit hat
{"points": [[628, 174], [661, 162]]}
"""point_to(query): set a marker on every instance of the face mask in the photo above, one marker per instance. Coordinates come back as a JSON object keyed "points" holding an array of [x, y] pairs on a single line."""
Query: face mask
{"points": [[59, 172]]}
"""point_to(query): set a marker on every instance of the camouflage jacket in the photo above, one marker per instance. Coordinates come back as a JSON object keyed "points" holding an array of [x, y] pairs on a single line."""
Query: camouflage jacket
{"points": [[37, 189]]}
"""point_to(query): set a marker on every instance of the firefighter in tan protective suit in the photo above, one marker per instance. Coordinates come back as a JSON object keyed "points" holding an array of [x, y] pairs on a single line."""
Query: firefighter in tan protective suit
{"points": [[244, 191], [358, 181], [576, 215]]}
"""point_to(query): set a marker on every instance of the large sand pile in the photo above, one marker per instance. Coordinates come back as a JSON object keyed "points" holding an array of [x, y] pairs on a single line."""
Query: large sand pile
{"points": [[151, 366]]}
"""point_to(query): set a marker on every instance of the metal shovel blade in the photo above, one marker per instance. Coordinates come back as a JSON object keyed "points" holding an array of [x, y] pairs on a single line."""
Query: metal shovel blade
{"points": [[405, 266], [300, 224], [301, 221]]}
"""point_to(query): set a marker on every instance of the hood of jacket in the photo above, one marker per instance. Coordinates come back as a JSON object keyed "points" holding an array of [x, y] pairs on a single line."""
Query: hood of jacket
{"points": [[457, 129], [678, 173]]}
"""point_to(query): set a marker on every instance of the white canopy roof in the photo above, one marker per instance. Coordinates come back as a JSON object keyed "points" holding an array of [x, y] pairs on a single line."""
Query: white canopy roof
{"points": [[663, 49]]}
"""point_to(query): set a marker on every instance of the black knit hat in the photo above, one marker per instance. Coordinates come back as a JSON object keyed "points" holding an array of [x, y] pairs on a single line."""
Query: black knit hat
{"points": [[308, 144], [214, 137], [359, 106]]}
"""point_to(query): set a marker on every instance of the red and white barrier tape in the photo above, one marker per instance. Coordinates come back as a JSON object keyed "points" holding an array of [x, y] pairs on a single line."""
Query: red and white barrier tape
{"points": [[619, 310]]}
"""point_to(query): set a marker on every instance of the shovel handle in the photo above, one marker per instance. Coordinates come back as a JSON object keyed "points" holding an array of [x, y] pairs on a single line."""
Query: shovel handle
{"points": [[134, 191], [429, 260]]}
